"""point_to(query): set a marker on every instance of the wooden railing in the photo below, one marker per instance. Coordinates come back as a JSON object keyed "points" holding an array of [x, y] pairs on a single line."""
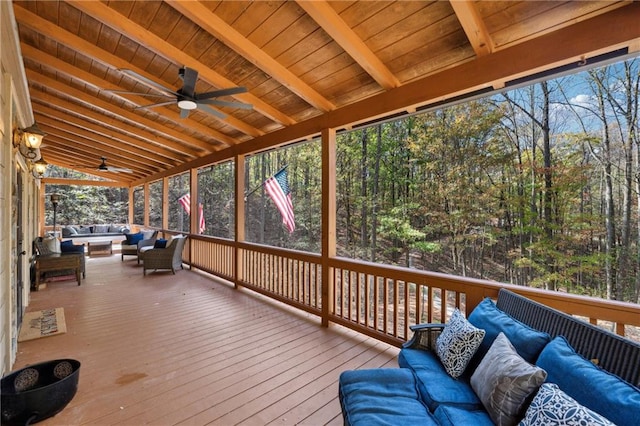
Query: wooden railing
{"points": [[378, 300]]}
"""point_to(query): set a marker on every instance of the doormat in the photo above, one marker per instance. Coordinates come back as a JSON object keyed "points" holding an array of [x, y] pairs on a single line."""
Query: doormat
{"points": [[48, 322]]}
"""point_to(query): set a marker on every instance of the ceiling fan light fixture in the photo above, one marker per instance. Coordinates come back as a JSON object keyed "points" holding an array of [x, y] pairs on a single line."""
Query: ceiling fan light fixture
{"points": [[187, 104]]}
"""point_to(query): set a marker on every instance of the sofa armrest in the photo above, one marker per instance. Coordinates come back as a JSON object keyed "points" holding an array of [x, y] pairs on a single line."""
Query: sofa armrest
{"points": [[424, 336]]}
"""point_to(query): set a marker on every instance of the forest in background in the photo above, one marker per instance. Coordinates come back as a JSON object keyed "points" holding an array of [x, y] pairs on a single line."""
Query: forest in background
{"points": [[536, 186]]}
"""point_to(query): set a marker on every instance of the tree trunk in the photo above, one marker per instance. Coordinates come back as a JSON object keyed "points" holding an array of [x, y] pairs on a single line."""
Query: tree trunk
{"points": [[374, 195], [364, 172]]}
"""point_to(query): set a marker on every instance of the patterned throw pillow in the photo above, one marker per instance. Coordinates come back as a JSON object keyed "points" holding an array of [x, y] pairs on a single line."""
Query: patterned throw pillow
{"points": [[553, 407], [457, 343], [505, 382]]}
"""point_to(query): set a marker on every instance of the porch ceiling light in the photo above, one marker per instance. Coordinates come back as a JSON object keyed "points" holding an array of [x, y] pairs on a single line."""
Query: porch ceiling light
{"points": [[39, 168], [28, 141], [187, 104]]}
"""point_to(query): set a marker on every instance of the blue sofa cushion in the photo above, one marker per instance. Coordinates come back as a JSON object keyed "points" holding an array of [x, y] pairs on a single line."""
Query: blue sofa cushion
{"points": [[435, 385], [596, 389], [449, 415], [383, 396], [527, 341], [68, 247], [551, 406]]}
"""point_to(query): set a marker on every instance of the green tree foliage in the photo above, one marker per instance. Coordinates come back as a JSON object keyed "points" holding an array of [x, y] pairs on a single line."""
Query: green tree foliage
{"points": [[216, 193], [84, 204], [538, 186]]}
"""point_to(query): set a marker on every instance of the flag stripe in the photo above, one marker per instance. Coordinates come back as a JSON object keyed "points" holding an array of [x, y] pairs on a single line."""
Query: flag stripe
{"points": [[185, 202], [201, 221], [278, 189]]}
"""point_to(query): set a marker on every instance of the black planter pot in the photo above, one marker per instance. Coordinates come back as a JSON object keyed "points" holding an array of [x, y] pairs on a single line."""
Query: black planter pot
{"points": [[38, 391]]}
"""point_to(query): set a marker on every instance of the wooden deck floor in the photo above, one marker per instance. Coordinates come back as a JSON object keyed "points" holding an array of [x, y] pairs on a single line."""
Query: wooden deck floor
{"points": [[188, 349]]}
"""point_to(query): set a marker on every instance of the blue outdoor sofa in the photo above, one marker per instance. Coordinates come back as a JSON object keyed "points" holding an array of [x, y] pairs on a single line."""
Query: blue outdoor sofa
{"points": [[532, 365]]}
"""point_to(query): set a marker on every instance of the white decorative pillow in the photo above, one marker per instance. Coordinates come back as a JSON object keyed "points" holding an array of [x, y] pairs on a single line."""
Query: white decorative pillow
{"points": [[53, 244], [457, 343], [505, 382], [174, 237], [553, 407]]}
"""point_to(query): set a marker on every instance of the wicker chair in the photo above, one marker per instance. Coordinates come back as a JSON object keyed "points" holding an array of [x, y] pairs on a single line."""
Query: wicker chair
{"points": [[134, 249], [164, 258]]}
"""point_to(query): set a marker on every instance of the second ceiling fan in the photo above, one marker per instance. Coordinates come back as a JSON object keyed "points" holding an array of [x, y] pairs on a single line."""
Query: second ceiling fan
{"points": [[186, 98]]}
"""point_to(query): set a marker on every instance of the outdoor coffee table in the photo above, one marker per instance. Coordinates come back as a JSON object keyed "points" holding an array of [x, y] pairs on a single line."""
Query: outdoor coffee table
{"points": [[100, 246]]}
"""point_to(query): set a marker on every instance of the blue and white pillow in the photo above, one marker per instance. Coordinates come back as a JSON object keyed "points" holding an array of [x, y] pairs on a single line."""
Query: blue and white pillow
{"points": [[553, 407], [457, 343]]}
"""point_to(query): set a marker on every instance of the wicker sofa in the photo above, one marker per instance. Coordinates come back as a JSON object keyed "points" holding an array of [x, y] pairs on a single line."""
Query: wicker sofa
{"points": [[73, 231], [548, 368]]}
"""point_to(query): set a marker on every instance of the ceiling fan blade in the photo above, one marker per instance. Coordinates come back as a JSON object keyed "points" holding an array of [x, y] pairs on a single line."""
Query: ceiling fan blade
{"points": [[156, 105], [221, 92], [126, 92], [189, 76], [147, 81], [211, 111], [119, 169], [184, 113], [225, 103]]}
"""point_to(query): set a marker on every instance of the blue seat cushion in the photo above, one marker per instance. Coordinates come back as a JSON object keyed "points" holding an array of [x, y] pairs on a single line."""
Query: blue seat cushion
{"points": [[69, 247], [435, 385], [134, 238], [382, 396], [448, 415], [591, 386], [526, 341]]}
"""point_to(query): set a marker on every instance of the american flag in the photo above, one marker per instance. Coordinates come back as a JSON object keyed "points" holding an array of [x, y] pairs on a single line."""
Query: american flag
{"points": [[278, 189], [185, 202]]}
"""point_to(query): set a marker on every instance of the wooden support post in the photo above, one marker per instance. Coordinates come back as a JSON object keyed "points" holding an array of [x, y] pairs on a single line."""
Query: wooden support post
{"points": [[165, 203], [194, 217], [240, 219], [147, 203], [131, 207], [328, 219]]}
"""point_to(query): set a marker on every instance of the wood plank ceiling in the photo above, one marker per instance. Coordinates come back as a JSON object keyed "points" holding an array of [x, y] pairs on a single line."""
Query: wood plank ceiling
{"points": [[298, 60]]}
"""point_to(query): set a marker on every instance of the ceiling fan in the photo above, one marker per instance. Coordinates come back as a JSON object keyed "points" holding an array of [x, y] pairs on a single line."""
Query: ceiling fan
{"points": [[103, 167], [186, 98]]}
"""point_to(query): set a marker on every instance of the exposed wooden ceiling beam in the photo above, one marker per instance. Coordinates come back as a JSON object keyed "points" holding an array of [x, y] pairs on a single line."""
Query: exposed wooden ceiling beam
{"points": [[571, 43], [161, 145], [101, 84], [93, 148], [214, 25], [332, 23], [57, 119], [82, 182], [113, 19], [115, 179], [50, 30], [92, 101], [473, 27], [63, 156]]}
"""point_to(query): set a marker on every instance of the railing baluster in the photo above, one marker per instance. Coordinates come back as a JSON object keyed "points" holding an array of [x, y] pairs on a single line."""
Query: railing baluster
{"points": [[377, 298]]}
